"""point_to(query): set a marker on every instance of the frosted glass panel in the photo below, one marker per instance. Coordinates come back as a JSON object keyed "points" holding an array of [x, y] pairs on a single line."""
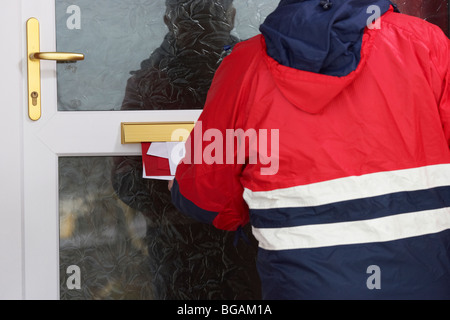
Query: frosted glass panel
{"points": [[118, 37], [144, 249]]}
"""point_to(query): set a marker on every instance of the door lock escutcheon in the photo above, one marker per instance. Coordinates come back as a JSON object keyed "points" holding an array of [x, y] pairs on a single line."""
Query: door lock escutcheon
{"points": [[34, 57]]}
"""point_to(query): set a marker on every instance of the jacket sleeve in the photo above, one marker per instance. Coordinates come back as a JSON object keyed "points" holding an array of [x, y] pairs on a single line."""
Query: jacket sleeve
{"points": [[207, 184]]}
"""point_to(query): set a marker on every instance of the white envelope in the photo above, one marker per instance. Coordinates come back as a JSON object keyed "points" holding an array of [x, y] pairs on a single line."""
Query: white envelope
{"points": [[158, 149]]}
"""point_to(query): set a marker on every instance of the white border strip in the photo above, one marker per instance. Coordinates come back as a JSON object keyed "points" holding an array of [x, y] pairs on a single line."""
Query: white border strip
{"points": [[350, 188], [345, 233]]}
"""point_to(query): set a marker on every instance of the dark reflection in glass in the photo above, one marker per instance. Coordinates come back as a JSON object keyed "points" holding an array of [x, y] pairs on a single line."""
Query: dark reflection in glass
{"points": [[178, 74], [100, 235], [189, 260], [145, 250]]}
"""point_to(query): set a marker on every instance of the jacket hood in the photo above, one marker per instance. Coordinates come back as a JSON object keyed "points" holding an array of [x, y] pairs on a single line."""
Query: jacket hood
{"points": [[318, 35], [323, 40]]}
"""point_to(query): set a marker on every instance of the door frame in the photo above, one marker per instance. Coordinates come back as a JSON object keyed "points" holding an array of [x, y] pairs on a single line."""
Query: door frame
{"points": [[11, 196]]}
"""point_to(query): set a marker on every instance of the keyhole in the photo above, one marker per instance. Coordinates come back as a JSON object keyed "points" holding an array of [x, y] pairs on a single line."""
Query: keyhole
{"points": [[34, 96]]}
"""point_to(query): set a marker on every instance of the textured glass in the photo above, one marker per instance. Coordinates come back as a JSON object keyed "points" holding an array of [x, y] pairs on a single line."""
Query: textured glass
{"points": [[119, 37], [144, 250], [99, 235]]}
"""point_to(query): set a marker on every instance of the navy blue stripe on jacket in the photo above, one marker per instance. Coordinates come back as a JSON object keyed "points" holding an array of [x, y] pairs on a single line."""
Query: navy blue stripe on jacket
{"points": [[345, 272], [353, 210]]}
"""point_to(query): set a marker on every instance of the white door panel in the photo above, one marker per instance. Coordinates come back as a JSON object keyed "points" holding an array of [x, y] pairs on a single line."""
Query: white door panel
{"points": [[55, 134]]}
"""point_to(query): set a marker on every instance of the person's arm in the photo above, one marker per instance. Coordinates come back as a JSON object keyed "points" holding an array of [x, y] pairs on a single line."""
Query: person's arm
{"points": [[206, 187]]}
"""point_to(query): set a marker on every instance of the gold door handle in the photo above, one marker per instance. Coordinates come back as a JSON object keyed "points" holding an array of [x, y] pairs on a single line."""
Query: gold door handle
{"points": [[34, 57], [57, 56]]}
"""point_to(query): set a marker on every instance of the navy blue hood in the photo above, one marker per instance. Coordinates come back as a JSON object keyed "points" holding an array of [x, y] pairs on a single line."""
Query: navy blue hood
{"points": [[312, 36]]}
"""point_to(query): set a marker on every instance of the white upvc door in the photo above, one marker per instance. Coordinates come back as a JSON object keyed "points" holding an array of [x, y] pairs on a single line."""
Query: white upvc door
{"points": [[29, 221]]}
